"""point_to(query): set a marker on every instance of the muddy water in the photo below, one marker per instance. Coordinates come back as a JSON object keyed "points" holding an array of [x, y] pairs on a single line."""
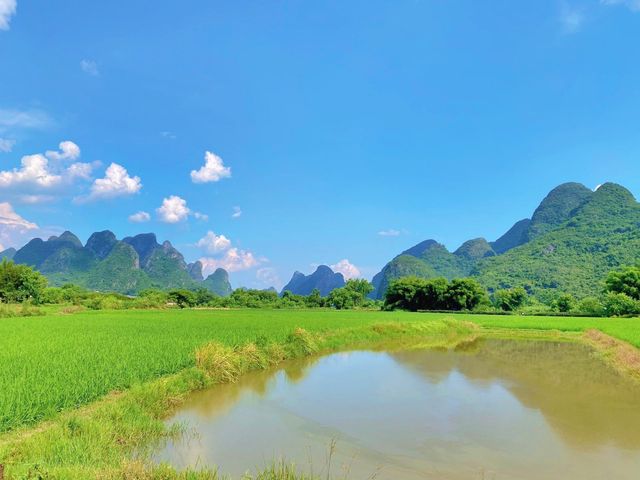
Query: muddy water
{"points": [[497, 409]]}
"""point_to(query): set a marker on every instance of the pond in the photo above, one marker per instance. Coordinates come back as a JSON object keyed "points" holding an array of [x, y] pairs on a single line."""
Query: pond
{"points": [[498, 409]]}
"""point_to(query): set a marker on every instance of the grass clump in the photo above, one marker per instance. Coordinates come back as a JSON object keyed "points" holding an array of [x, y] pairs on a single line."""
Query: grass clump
{"points": [[94, 441]]}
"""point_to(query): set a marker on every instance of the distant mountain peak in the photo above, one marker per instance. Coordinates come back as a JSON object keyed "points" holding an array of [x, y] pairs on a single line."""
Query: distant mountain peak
{"points": [[614, 190], [557, 207], [218, 282], [572, 240], [475, 249], [419, 249], [69, 237], [101, 243], [323, 278]]}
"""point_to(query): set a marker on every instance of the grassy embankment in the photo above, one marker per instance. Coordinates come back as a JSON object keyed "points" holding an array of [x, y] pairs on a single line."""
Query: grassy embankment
{"points": [[154, 358]]}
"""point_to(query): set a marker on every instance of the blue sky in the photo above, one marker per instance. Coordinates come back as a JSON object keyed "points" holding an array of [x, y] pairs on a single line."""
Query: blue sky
{"points": [[327, 123]]}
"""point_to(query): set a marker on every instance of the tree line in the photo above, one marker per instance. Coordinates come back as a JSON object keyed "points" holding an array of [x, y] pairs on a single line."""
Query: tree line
{"points": [[20, 284], [620, 296]]}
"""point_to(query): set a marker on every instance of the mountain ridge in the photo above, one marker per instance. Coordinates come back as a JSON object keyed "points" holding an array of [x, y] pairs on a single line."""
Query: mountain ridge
{"points": [[574, 237], [108, 264]]}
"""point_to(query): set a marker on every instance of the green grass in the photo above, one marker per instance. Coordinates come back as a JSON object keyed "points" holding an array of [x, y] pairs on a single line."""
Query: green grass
{"points": [[57, 362], [112, 438], [64, 361], [627, 329]]}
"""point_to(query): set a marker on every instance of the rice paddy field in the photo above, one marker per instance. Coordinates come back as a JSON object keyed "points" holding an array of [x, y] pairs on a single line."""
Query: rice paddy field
{"points": [[62, 361]]}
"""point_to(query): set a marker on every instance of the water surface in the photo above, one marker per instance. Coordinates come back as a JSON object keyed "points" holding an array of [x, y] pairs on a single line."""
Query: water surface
{"points": [[496, 409]]}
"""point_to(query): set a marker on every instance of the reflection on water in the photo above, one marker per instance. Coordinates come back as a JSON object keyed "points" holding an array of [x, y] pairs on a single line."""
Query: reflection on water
{"points": [[493, 409]]}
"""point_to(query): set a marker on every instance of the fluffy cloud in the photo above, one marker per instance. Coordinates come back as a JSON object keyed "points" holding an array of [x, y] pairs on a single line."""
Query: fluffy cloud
{"points": [[89, 67], [6, 145], [34, 170], [7, 10], [212, 243], [36, 173], [633, 5], [389, 233], [346, 268], [139, 217], [14, 229], [237, 212], [233, 260], [213, 170], [201, 216], [269, 277], [68, 151], [116, 183], [173, 210]]}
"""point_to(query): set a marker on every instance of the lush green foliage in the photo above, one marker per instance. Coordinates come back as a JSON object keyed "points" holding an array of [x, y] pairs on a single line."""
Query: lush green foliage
{"points": [[413, 293], [510, 299], [352, 295], [625, 280], [574, 239], [19, 283]]}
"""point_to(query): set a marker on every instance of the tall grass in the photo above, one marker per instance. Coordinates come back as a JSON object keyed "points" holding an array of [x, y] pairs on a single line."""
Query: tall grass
{"points": [[62, 361], [99, 440]]}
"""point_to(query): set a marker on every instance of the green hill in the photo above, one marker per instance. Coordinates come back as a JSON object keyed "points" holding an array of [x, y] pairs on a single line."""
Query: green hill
{"points": [[107, 264], [573, 239], [218, 283]]}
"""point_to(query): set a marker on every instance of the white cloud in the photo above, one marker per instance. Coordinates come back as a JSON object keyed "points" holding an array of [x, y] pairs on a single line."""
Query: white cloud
{"points": [[571, 19], [201, 216], [173, 210], [633, 5], [237, 212], [116, 183], [35, 199], [34, 169], [212, 243], [269, 277], [213, 170], [89, 67], [6, 145], [346, 268], [7, 10], [389, 233], [233, 260], [11, 118], [68, 151], [36, 173], [14, 229], [139, 217]]}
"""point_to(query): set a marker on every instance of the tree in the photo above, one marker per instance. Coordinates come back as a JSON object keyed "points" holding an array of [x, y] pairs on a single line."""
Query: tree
{"points": [[344, 298], [203, 296], [619, 304], [403, 292], [626, 280], [510, 299], [433, 294], [182, 298], [565, 302], [314, 299], [20, 283], [359, 285], [591, 306], [465, 294]]}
